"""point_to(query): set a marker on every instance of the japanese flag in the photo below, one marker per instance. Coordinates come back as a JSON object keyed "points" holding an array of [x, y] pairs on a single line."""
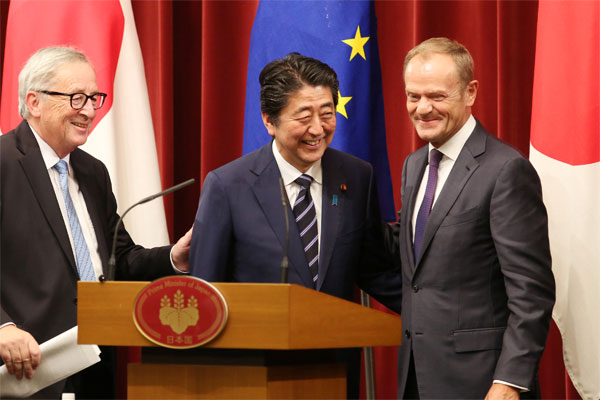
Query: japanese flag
{"points": [[122, 135], [565, 149]]}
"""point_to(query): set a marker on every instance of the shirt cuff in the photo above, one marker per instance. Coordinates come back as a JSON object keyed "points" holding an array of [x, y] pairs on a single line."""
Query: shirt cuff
{"points": [[7, 324], [521, 388], [177, 270]]}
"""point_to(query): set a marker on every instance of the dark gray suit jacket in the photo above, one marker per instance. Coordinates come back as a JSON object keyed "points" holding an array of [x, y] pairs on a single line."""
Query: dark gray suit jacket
{"points": [[477, 301], [38, 281]]}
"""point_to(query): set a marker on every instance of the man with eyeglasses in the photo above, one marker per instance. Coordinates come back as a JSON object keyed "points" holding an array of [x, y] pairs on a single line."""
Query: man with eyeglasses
{"points": [[58, 216]]}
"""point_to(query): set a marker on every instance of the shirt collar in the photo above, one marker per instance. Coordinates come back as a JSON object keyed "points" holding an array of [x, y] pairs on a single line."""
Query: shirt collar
{"points": [[289, 173], [454, 145], [48, 154]]}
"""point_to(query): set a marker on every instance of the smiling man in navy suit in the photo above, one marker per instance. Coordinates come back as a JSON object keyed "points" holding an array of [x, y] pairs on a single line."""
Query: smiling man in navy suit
{"points": [[336, 242]]}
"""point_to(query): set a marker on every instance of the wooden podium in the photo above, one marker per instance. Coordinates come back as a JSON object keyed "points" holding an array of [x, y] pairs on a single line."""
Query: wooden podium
{"points": [[267, 350]]}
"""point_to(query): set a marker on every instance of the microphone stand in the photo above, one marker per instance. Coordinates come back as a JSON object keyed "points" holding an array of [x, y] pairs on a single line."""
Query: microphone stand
{"points": [[284, 259], [111, 260]]}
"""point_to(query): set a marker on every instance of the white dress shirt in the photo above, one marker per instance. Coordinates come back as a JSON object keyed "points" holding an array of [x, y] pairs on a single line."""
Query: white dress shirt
{"points": [[87, 228], [451, 149], [289, 174]]}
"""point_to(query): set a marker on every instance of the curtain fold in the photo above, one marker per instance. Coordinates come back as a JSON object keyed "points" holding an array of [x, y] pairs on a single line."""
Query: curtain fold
{"points": [[154, 23]]}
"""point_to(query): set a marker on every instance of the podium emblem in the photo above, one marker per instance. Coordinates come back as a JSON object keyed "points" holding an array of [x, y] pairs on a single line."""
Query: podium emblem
{"points": [[180, 312]]}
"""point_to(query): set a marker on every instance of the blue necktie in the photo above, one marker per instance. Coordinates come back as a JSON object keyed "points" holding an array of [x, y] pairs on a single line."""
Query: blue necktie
{"points": [[306, 219], [84, 262], [434, 161]]}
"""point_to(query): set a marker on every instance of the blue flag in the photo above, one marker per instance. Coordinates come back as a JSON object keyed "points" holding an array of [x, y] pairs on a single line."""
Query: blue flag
{"points": [[342, 34]]}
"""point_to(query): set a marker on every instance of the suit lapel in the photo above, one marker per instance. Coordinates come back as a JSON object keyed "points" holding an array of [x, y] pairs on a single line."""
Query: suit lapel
{"points": [[37, 175], [267, 191], [463, 168], [331, 212]]}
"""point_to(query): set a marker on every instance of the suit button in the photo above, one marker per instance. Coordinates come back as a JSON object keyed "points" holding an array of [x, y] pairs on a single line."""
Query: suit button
{"points": [[415, 288], [407, 334], [75, 301]]}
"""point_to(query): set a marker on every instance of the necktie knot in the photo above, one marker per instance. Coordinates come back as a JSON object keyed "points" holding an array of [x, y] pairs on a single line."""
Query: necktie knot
{"points": [[62, 167], [304, 181], [435, 156]]}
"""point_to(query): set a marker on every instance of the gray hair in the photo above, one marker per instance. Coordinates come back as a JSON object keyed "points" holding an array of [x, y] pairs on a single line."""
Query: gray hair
{"points": [[39, 71], [441, 45]]}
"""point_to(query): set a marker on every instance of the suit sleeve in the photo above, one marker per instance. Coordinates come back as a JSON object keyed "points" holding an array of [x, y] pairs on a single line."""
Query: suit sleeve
{"points": [[379, 271], [519, 227], [133, 262], [392, 230], [212, 236]]}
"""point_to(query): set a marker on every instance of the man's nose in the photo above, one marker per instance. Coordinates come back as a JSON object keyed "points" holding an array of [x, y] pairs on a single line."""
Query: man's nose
{"points": [[316, 125], [88, 109], [424, 106]]}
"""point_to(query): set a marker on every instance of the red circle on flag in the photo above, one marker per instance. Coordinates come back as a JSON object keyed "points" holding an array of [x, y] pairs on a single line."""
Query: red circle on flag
{"points": [[180, 312]]}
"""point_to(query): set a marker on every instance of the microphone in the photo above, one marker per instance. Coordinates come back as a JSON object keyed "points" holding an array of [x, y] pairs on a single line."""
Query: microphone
{"points": [[284, 259], [111, 261]]}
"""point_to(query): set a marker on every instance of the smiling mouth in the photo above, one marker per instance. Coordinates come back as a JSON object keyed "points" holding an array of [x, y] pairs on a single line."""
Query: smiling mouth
{"points": [[80, 125], [427, 121], [312, 142]]}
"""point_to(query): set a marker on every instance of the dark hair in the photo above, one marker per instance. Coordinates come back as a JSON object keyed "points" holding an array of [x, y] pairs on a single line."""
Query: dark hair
{"points": [[280, 78]]}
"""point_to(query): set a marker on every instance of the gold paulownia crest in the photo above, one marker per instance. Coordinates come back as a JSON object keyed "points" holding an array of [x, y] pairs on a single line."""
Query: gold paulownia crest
{"points": [[178, 317]]}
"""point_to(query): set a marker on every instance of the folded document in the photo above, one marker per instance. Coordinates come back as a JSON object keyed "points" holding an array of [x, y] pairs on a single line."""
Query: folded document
{"points": [[61, 358]]}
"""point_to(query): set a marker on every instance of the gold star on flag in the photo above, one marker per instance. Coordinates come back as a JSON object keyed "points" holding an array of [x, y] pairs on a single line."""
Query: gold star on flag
{"points": [[341, 106], [357, 44]]}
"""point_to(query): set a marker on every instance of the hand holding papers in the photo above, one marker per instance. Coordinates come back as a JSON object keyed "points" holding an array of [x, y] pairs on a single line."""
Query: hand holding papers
{"points": [[61, 358]]}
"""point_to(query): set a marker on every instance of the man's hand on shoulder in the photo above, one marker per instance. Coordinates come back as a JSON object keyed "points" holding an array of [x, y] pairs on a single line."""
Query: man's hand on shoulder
{"points": [[181, 252], [19, 351], [501, 391]]}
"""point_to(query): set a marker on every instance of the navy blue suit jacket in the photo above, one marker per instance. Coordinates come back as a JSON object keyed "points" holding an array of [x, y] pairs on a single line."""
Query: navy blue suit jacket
{"points": [[239, 230]]}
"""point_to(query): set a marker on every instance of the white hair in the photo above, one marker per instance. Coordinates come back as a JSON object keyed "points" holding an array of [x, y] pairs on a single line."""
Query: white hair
{"points": [[39, 71]]}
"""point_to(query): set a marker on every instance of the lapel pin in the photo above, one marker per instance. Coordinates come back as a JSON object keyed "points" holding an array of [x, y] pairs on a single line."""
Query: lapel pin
{"points": [[334, 201], [343, 187]]}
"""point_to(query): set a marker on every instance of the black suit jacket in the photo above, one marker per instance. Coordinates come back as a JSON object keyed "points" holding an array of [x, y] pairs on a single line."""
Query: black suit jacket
{"points": [[38, 271], [477, 300]]}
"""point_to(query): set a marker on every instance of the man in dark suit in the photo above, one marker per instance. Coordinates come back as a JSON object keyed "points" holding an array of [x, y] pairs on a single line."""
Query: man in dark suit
{"points": [[472, 236], [335, 232], [57, 223]]}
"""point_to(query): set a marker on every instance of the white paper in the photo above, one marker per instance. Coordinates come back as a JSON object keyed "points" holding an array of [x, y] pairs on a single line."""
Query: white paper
{"points": [[61, 358]]}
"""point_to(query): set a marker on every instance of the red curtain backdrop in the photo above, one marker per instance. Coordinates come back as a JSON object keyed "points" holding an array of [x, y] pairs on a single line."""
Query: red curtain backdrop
{"points": [[195, 56]]}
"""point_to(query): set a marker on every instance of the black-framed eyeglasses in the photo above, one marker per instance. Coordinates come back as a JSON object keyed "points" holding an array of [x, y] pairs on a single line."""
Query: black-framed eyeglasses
{"points": [[78, 100]]}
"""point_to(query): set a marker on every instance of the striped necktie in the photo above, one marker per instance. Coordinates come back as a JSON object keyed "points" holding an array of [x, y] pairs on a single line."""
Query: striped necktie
{"points": [[306, 219], [84, 262]]}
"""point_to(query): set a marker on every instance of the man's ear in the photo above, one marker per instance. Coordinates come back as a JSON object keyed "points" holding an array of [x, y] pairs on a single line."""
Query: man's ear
{"points": [[268, 122], [32, 100], [472, 92]]}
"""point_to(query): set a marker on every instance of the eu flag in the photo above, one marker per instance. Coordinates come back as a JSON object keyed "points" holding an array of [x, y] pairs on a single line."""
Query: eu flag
{"points": [[343, 35]]}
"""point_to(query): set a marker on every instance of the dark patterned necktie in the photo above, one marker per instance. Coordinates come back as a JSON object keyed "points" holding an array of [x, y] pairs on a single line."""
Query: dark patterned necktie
{"points": [[434, 161], [306, 219]]}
